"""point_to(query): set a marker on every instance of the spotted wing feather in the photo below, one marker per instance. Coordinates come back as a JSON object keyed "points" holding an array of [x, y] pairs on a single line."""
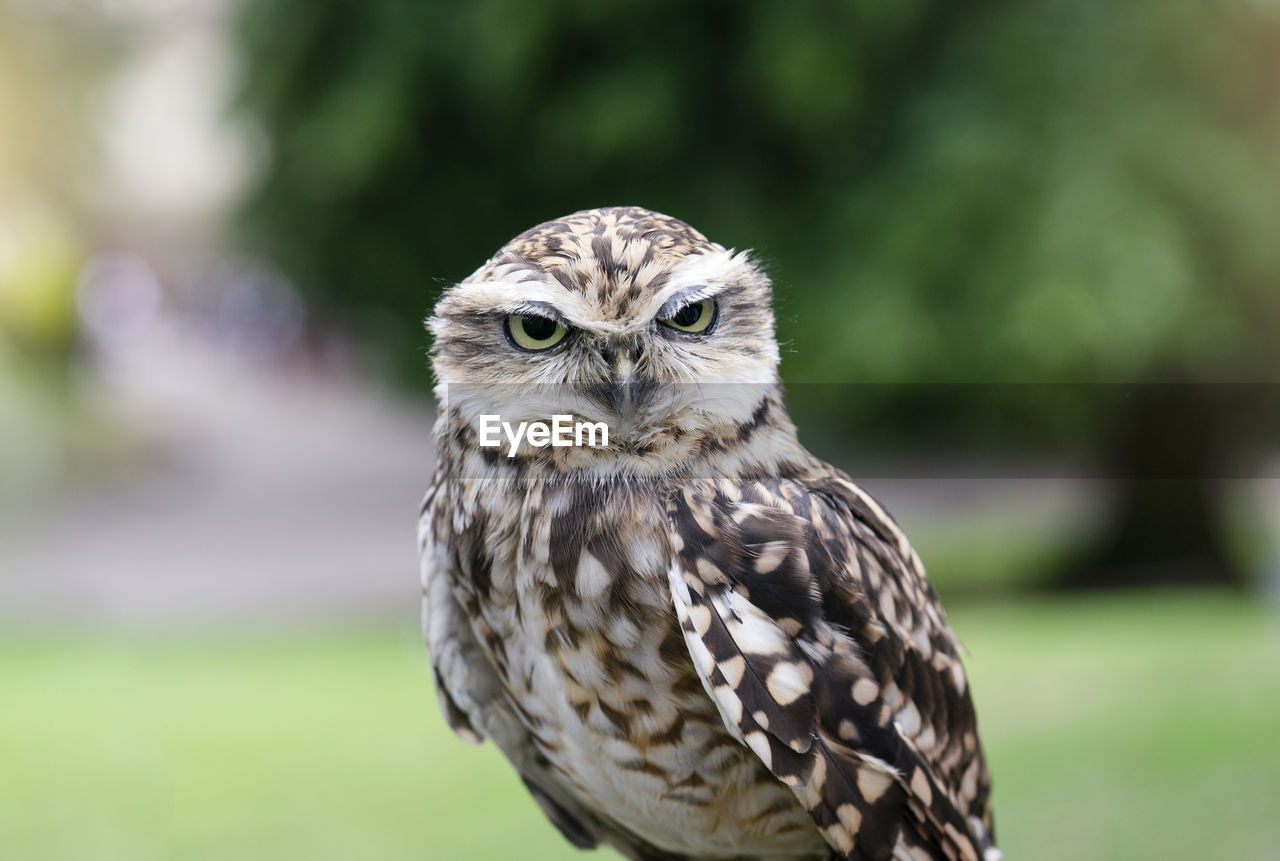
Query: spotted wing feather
{"points": [[798, 604]]}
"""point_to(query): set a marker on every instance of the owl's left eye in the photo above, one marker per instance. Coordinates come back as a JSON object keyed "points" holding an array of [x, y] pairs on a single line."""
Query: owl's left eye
{"points": [[696, 317], [533, 333]]}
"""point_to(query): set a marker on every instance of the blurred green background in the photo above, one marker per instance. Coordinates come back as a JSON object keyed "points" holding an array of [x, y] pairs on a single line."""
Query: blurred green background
{"points": [[1028, 283]]}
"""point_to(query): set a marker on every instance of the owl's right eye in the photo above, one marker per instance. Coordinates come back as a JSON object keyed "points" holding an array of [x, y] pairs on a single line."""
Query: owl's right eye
{"points": [[533, 333]]}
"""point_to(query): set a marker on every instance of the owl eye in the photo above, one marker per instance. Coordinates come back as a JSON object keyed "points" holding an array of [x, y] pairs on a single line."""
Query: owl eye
{"points": [[533, 333], [696, 317]]}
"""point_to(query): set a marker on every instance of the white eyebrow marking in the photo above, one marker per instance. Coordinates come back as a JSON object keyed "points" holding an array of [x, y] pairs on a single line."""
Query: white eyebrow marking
{"points": [[686, 297], [516, 287]]}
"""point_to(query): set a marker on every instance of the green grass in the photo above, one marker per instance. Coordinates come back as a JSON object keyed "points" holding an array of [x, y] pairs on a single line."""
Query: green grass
{"points": [[1138, 727]]}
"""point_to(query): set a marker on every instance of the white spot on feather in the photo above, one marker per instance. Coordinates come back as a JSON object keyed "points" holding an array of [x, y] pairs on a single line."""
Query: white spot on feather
{"points": [[770, 556], [908, 720], [708, 571], [920, 786], [850, 817], [865, 691], [839, 837], [730, 706], [700, 616], [872, 783], [592, 579], [969, 782], [744, 510], [920, 639], [701, 516], [967, 852], [759, 744], [679, 588], [751, 630], [733, 669], [888, 610], [788, 681]]}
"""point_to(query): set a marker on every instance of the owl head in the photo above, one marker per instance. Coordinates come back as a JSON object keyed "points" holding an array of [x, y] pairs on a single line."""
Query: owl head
{"points": [[620, 315]]}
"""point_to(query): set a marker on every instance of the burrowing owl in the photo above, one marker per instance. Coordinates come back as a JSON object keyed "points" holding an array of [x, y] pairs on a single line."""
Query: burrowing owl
{"points": [[692, 640]]}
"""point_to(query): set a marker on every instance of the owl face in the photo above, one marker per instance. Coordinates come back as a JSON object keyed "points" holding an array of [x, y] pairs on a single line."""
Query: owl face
{"points": [[619, 315]]}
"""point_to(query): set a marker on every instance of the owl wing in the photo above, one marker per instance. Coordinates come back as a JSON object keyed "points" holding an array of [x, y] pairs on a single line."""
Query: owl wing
{"points": [[469, 689], [814, 631]]}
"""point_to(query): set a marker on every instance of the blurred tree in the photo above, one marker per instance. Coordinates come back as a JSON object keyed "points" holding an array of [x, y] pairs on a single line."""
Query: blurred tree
{"points": [[52, 64], [997, 193]]}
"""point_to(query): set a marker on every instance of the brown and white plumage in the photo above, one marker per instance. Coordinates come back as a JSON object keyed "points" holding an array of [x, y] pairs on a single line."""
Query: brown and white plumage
{"points": [[699, 642]]}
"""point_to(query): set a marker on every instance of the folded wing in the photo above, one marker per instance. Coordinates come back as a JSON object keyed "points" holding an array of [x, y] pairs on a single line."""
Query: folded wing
{"points": [[811, 626]]}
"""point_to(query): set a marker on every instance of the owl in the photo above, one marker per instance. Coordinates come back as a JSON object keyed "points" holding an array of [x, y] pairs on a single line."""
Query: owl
{"points": [[691, 638]]}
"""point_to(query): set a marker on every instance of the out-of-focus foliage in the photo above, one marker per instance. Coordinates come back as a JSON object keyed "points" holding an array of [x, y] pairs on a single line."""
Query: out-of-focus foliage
{"points": [[50, 76], [37, 282], [992, 191]]}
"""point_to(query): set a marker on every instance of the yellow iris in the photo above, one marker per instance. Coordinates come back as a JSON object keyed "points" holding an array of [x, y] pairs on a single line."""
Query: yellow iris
{"points": [[695, 317], [534, 333]]}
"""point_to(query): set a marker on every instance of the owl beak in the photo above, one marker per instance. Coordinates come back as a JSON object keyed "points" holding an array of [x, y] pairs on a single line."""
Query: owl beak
{"points": [[622, 385], [622, 389]]}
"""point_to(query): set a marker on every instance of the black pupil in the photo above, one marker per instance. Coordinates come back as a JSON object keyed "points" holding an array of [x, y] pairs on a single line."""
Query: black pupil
{"points": [[538, 328], [688, 315]]}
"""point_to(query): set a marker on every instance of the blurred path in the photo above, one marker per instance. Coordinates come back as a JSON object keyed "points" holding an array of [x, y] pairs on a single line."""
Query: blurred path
{"points": [[262, 493]]}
